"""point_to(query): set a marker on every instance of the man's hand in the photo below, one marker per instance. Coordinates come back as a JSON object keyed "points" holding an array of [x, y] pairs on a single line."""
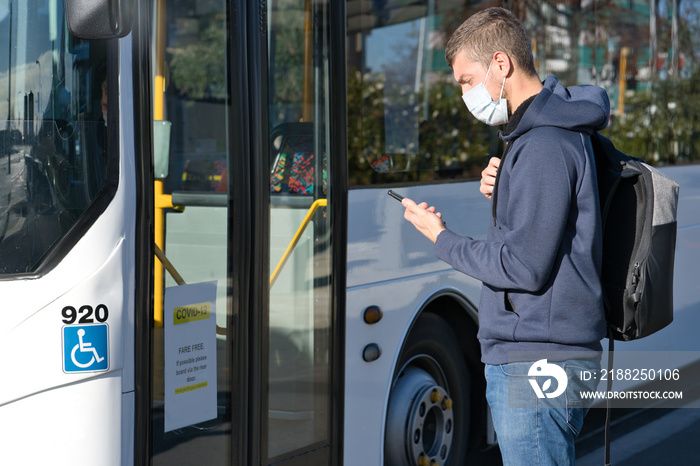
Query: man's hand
{"points": [[424, 218], [488, 177]]}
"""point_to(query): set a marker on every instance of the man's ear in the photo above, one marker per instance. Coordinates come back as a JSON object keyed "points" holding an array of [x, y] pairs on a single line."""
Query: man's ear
{"points": [[503, 65]]}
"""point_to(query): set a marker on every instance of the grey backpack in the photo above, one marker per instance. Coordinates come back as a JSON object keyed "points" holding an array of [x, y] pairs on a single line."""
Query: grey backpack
{"points": [[638, 209]]}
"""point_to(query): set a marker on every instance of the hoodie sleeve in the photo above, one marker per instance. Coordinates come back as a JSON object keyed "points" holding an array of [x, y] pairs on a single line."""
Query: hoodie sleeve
{"points": [[522, 252]]}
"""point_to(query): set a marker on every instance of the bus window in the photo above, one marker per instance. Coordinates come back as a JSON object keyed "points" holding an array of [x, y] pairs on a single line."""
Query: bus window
{"points": [[406, 120], [640, 53], [196, 95], [54, 154]]}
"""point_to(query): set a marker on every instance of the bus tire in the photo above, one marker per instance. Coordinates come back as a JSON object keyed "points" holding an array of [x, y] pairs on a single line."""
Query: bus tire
{"points": [[428, 415]]}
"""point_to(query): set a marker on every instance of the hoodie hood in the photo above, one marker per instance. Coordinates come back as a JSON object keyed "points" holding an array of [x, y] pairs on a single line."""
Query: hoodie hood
{"points": [[584, 109]]}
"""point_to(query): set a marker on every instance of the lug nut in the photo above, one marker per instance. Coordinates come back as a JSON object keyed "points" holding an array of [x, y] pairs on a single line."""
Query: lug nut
{"points": [[447, 404], [435, 396]]}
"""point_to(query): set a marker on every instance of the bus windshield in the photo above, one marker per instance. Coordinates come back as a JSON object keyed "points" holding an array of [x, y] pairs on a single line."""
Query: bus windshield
{"points": [[53, 126]]}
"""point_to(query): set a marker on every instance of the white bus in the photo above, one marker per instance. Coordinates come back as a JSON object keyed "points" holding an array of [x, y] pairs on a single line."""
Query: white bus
{"points": [[292, 316]]}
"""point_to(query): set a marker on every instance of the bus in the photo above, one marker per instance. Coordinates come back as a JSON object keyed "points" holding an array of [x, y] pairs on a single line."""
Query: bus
{"points": [[199, 262]]}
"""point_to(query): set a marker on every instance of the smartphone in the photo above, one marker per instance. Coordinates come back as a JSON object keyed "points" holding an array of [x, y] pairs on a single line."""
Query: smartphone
{"points": [[395, 195]]}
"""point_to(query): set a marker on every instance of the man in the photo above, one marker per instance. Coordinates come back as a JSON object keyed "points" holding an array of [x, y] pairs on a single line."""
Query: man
{"points": [[540, 263]]}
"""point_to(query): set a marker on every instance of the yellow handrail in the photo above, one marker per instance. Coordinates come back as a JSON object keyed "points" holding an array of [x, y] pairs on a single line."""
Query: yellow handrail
{"points": [[297, 236], [161, 200], [169, 266], [167, 203]]}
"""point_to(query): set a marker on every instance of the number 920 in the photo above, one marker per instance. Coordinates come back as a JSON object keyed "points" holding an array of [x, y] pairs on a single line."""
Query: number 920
{"points": [[85, 314]]}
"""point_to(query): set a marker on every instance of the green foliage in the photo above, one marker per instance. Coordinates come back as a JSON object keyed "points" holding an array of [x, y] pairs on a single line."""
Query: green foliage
{"points": [[451, 144], [288, 66], [661, 125], [198, 70]]}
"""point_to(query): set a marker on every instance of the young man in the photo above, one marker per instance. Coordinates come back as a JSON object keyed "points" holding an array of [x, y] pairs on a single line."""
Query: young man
{"points": [[540, 263]]}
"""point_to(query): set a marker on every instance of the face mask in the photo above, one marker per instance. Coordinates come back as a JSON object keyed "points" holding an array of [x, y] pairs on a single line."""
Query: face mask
{"points": [[484, 109]]}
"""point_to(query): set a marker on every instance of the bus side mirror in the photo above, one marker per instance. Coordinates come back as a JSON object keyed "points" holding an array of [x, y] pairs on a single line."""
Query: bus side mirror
{"points": [[99, 19]]}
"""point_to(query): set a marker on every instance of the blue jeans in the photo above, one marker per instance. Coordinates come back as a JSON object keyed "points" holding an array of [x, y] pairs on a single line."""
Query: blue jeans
{"points": [[532, 430]]}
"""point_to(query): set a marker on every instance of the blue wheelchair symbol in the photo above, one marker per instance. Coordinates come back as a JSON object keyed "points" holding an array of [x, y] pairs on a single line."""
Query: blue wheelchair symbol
{"points": [[85, 348]]}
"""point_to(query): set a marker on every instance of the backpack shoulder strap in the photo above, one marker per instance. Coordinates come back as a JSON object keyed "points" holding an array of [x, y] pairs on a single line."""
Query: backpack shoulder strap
{"points": [[611, 166], [611, 347]]}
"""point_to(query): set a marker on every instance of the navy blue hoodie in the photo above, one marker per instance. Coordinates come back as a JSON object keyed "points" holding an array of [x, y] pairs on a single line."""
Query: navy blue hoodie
{"points": [[540, 263]]}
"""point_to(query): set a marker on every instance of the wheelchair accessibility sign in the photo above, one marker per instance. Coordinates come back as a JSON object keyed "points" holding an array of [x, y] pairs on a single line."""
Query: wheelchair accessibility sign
{"points": [[85, 348]]}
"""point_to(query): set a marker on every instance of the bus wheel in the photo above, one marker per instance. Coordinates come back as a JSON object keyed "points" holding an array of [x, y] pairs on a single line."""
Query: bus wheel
{"points": [[428, 417]]}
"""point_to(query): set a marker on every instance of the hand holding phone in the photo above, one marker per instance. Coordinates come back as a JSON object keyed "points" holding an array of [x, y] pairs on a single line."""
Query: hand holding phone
{"points": [[399, 198]]}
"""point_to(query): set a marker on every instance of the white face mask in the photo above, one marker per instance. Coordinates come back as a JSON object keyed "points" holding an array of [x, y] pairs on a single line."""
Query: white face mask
{"points": [[479, 102]]}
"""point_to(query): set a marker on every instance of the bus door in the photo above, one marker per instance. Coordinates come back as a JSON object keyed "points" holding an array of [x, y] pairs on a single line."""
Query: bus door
{"points": [[245, 360]]}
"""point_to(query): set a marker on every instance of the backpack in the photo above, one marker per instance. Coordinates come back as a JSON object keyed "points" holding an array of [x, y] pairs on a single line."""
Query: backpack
{"points": [[638, 206], [638, 209]]}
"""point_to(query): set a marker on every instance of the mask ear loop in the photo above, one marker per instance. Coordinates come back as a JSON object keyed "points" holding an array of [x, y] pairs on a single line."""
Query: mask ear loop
{"points": [[502, 85]]}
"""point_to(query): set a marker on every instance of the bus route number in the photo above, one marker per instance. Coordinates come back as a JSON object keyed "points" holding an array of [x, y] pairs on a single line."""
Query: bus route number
{"points": [[85, 314]]}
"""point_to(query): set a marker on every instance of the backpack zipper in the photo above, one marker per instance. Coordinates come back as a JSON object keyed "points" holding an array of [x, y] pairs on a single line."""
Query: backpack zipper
{"points": [[635, 274]]}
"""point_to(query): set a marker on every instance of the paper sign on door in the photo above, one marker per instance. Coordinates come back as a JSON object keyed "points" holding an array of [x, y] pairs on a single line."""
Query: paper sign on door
{"points": [[190, 354]]}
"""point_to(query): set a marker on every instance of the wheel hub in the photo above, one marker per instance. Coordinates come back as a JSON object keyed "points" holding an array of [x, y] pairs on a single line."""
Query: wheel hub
{"points": [[420, 423]]}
